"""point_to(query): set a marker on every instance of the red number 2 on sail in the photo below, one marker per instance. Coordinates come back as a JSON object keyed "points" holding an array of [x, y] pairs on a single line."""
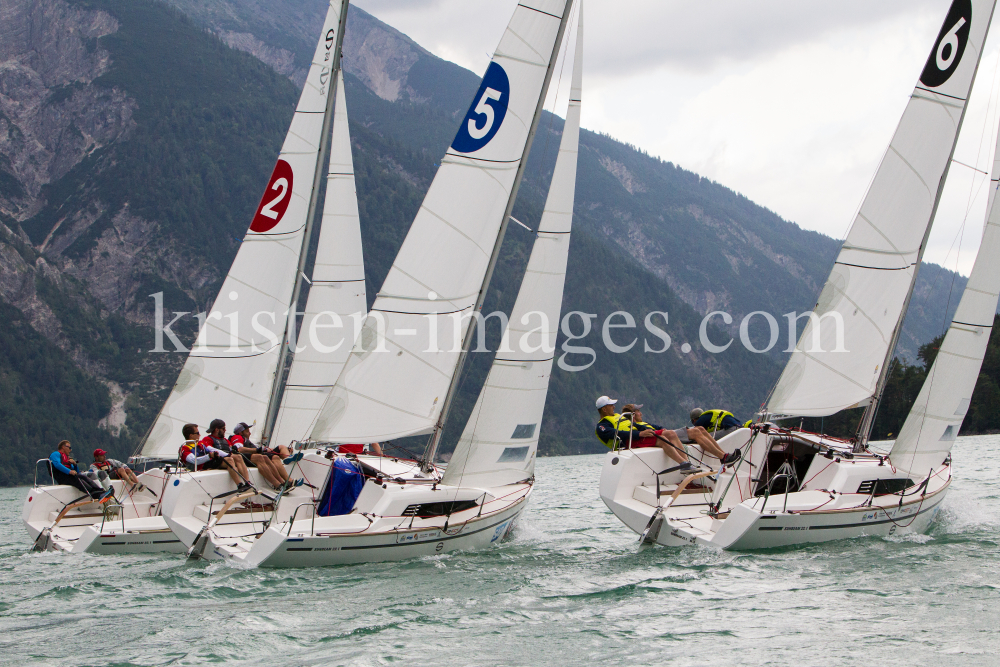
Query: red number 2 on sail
{"points": [[274, 203]]}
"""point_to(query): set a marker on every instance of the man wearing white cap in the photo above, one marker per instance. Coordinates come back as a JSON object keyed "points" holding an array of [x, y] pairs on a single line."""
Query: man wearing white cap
{"points": [[613, 425]]}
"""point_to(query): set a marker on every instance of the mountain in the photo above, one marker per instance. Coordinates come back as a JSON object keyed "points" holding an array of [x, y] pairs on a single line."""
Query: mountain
{"points": [[131, 161]]}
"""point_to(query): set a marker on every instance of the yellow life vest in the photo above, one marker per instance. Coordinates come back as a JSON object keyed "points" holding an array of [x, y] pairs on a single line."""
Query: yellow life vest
{"points": [[717, 416], [620, 422]]}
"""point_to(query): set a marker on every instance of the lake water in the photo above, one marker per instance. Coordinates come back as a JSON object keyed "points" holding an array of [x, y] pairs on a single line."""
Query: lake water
{"points": [[570, 588]]}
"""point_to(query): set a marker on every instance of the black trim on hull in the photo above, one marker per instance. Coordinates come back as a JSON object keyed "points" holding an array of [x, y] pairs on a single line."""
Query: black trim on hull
{"points": [[404, 544], [852, 525]]}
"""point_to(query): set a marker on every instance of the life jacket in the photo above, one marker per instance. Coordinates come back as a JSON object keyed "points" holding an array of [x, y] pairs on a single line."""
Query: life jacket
{"points": [[103, 465], [219, 443], [716, 416], [191, 447], [236, 440], [65, 460], [620, 422]]}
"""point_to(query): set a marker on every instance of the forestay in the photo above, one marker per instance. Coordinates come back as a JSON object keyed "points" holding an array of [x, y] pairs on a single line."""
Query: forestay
{"points": [[336, 300], [872, 278], [398, 374], [230, 370], [936, 416], [500, 440]]}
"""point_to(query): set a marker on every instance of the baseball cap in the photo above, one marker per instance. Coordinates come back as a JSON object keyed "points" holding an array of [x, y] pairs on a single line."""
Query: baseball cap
{"points": [[99, 452], [242, 426], [697, 412], [605, 400]]}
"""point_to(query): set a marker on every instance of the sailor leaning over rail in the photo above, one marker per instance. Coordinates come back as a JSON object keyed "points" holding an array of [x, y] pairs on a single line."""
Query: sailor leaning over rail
{"points": [[614, 428]]}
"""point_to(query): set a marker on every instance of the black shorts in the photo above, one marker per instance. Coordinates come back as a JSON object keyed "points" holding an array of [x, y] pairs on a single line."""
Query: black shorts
{"points": [[246, 459], [212, 464]]}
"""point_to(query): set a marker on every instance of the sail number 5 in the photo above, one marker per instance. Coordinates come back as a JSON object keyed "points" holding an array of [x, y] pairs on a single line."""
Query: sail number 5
{"points": [[274, 203], [485, 116], [486, 110]]}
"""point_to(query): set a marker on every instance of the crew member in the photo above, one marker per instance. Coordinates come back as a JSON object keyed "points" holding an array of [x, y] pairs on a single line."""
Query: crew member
{"points": [[237, 469], [108, 469], [65, 471], [717, 422], [612, 426], [266, 460]]}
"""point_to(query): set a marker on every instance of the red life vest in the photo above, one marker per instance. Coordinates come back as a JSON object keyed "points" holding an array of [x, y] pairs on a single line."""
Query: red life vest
{"points": [[103, 465], [189, 448]]}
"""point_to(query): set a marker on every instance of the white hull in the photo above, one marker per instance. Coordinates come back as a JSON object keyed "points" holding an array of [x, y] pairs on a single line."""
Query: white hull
{"points": [[833, 501], [384, 525], [134, 527]]}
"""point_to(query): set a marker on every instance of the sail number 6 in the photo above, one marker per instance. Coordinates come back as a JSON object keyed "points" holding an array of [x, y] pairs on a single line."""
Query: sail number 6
{"points": [[274, 203], [950, 42], [950, 45]]}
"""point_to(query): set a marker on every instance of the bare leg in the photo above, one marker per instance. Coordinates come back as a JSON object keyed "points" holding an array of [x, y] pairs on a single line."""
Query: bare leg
{"points": [[231, 469], [672, 446], [265, 468], [700, 436], [283, 452], [279, 468]]}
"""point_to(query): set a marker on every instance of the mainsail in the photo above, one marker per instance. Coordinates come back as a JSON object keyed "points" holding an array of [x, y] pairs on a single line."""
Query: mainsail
{"points": [[501, 437], [337, 300], [401, 367], [936, 416], [230, 371], [839, 359]]}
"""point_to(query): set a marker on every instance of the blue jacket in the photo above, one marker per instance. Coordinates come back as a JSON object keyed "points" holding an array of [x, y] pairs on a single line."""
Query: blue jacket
{"points": [[56, 459]]}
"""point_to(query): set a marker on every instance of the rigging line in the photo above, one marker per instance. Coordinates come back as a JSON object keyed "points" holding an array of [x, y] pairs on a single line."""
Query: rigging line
{"points": [[970, 166], [555, 100]]}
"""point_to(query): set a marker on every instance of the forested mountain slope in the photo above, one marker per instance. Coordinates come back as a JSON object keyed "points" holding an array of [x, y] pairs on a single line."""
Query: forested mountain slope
{"points": [[131, 160]]}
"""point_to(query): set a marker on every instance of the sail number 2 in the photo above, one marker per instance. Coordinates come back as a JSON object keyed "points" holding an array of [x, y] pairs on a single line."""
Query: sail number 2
{"points": [[274, 203], [485, 116]]}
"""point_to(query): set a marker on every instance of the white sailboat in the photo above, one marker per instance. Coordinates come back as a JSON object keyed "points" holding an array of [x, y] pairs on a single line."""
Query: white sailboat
{"points": [[791, 486], [401, 374], [233, 369]]}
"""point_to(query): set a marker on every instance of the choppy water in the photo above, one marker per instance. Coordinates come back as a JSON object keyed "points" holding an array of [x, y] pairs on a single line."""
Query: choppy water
{"points": [[570, 588]]}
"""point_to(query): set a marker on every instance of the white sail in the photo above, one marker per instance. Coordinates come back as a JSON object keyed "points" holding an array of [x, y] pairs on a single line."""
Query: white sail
{"points": [[936, 416], [837, 361], [230, 371], [336, 296], [501, 437], [399, 372]]}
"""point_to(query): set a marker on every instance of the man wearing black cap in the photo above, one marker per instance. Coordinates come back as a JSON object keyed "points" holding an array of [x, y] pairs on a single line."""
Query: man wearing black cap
{"points": [[237, 469]]}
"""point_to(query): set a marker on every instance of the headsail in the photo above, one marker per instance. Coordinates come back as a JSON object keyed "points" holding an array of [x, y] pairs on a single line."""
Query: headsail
{"points": [[936, 416], [864, 300], [230, 371], [499, 442], [399, 372], [336, 296]]}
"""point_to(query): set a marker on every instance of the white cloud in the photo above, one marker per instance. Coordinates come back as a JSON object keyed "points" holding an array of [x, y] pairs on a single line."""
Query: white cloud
{"points": [[788, 102]]}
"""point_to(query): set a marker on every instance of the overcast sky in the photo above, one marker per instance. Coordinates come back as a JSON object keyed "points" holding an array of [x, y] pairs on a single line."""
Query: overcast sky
{"points": [[790, 102]]}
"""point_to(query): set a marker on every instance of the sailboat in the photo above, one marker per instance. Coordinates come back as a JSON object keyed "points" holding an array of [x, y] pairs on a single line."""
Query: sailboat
{"points": [[235, 367], [791, 486], [402, 374]]}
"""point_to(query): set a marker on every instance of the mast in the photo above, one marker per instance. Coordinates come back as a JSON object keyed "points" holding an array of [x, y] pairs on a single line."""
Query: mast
{"points": [[324, 153], [435, 439], [868, 420]]}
